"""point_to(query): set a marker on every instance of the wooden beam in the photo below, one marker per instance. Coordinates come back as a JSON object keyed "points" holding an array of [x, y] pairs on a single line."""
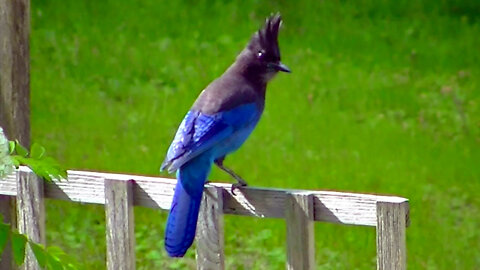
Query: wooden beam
{"points": [[300, 231], [390, 214], [210, 253], [14, 90], [31, 212], [157, 193], [119, 225], [15, 69], [391, 242]]}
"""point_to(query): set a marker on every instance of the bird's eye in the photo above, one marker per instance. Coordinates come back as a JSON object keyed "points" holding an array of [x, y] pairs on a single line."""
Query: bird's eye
{"points": [[260, 54]]}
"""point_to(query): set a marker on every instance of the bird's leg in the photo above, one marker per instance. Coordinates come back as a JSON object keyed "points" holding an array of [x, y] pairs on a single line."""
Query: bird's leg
{"points": [[240, 181], [219, 163]]}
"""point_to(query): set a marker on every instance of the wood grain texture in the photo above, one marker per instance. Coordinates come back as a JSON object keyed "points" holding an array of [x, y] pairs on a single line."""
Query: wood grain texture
{"points": [[390, 214], [391, 235], [15, 69], [14, 90], [300, 231], [30, 212], [119, 225], [210, 252], [157, 192]]}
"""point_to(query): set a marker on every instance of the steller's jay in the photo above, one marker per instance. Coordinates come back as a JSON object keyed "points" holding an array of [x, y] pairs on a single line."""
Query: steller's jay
{"points": [[220, 120]]}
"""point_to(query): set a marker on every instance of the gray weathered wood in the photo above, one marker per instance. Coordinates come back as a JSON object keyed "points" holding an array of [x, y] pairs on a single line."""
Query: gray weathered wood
{"points": [[157, 192], [15, 69], [14, 90], [210, 253], [391, 243], [30, 212], [119, 225], [300, 231], [389, 213]]}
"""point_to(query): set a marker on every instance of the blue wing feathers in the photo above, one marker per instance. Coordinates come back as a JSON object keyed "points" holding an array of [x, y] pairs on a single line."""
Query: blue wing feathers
{"points": [[196, 133], [182, 137], [199, 132]]}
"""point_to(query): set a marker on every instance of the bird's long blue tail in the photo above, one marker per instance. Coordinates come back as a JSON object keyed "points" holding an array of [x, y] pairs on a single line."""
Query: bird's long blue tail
{"points": [[182, 220]]}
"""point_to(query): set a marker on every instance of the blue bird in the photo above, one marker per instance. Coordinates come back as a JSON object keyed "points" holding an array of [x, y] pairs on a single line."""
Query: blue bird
{"points": [[220, 120]]}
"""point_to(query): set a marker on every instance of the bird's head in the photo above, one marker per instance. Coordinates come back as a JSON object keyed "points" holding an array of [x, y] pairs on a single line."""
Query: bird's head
{"points": [[262, 55]]}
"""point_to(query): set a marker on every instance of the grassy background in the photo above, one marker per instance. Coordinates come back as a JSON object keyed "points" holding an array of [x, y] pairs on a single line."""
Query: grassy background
{"points": [[384, 98]]}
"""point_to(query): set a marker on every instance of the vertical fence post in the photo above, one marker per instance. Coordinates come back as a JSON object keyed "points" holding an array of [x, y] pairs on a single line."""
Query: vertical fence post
{"points": [[14, 90], [119, 225], [210, 235], [391, 227], [15, 69], [30, 212], [300, 231]]}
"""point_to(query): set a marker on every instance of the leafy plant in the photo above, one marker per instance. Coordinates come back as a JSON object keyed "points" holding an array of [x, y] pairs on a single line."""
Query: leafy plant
{"points": [[48, 258], [12, 153], [45, 167]]}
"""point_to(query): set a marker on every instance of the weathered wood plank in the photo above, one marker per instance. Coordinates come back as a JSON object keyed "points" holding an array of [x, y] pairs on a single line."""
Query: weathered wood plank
{"points": [[157, 192], [210, 252], [119, 225], [14, 90], [8, 187], [391, 243], [15, 69], [389, 213], [30, 212], [329, 206], [300, 231]]}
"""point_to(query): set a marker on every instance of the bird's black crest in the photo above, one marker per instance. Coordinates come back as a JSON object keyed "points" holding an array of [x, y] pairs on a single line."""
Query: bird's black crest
{"points": [[267, 37]]}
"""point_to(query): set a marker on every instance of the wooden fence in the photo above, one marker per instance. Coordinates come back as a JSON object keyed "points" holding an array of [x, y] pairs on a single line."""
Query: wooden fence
{"points": [[300, 208]]}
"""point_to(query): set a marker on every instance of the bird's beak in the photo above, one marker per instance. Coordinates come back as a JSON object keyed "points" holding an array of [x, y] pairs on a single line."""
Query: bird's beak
{"points": [[281, 67]]}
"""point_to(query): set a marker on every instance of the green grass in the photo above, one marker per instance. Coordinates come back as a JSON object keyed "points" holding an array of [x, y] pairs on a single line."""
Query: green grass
{"points": [[384, 98]]}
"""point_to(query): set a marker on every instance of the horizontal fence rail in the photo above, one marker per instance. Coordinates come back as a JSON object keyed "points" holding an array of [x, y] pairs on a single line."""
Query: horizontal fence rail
{"points": [[300, 208]]}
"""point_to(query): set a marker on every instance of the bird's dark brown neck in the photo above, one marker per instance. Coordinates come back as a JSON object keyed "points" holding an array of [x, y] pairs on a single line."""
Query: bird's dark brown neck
{"points": [[250, 73]]}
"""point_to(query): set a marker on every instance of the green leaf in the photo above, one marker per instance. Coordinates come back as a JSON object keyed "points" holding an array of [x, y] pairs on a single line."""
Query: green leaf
{"points": [[53, 263], [53, 168], [4, 234], [37, 151], [56, 251], [15, 160], [11, 147], [70, 266], [39, 252], [22, 151], [18, 246], [47, 168]]}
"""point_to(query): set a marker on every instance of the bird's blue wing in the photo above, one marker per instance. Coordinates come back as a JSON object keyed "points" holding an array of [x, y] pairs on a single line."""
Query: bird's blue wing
{"points": [[199, 132], [196, 133]]}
